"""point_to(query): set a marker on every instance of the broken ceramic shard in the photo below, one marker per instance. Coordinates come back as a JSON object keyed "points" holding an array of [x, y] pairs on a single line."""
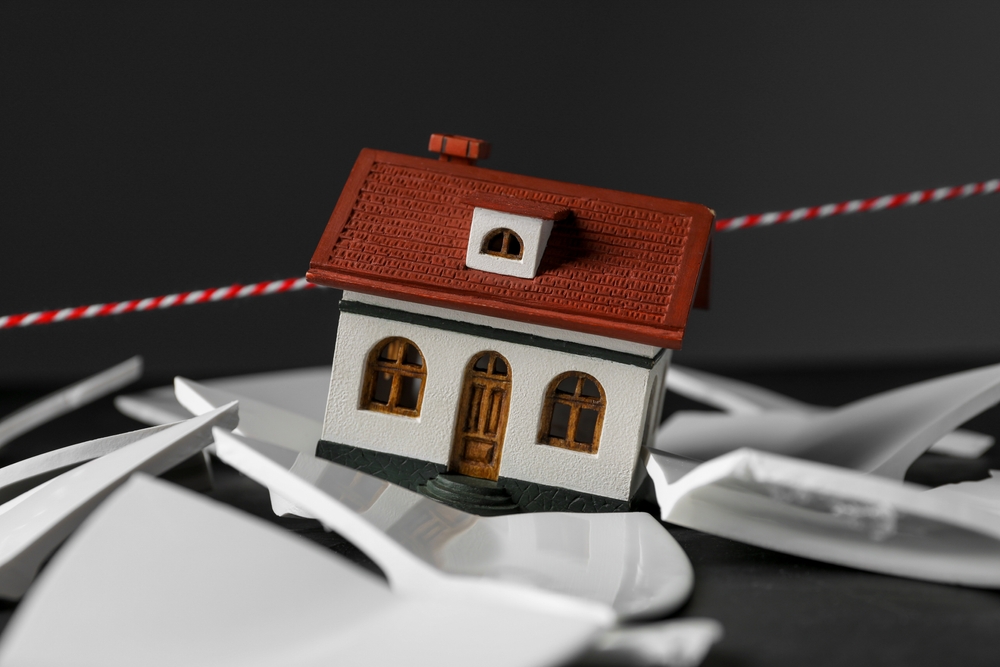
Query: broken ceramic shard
{"points": [[983, 492], [257, 419], [624, 560], [168, 577], [35, 523], [680, 643], [881, 435], [832, 515], [301, 391], [741, 398], [21, 476], [69, 398]]}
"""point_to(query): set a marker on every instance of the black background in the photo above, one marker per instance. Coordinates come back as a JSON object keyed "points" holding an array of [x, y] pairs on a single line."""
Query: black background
{"points": [[152, 148]]}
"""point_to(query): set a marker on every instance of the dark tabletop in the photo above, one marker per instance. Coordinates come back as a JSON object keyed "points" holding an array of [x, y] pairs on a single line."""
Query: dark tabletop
{"points": [[776, 609]]}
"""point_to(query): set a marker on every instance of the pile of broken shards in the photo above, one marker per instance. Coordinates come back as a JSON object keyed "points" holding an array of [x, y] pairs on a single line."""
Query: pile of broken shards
{"points": [[153, 573]]}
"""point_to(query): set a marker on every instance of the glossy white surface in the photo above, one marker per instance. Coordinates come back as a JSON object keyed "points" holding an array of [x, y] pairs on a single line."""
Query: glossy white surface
{"points": [[623, 560], [257, 419], [983, 492], [881, 435], [32, 526], [69, 398], [681, 643], [160, 576], [742, 398], [21, 476], [301, 391], [834, 515]]}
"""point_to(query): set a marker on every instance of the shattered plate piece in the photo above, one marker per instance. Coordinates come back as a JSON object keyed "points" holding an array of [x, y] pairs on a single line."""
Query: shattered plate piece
{"points": [[832, 515], [626, 561], [741, 398], [24, 475], [69, 398], [161, 576], [33, 524], [881, 435], [300, 391]]}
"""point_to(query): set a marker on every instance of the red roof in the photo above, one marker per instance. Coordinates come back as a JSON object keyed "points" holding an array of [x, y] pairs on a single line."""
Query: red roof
{"points": [[621, 265]]}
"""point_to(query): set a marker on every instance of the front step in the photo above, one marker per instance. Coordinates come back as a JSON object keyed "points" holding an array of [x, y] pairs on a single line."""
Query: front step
{"points": [[471, 494]]}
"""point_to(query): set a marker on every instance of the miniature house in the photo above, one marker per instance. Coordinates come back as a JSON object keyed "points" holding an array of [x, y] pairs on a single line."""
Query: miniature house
{"points": [[503, 340]]}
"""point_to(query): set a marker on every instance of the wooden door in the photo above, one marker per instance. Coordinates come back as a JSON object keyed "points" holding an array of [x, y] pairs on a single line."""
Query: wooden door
{"points": [[482, 417]]}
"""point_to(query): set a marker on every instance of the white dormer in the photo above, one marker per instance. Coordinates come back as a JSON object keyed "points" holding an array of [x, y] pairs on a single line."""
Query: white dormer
{"points": [[508, 235]]}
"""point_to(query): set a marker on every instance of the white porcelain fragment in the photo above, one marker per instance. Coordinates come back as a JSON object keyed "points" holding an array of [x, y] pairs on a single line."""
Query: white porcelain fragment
{"points": [[159, 576], [21, 476], [626, 561], [679, 643], [742, 398], [983, 492], [833, 515], [69, 398], [257, 419], [32, 526], [301, 391], [881, 435], [408, 573]]}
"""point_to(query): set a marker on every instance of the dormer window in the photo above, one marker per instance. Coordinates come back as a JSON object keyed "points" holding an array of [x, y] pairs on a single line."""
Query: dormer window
{"points": [[508, 235], [503, 243]]}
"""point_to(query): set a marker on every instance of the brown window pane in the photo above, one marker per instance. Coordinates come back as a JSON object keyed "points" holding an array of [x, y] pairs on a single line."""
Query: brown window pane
{"points": [[395, 378], [513, 246], [567, 386], [499, 367], [412, 356], [409, 392], [388, 352], [560, 421], [495, 244], [586, 424], [482, 363], [383, 388], [573, 413]]}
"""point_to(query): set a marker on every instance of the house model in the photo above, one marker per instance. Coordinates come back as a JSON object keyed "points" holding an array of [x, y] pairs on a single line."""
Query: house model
{"points": [[503, 340]]}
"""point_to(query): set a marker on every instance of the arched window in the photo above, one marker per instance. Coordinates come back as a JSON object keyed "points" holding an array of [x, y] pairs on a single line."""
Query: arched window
{"points": [[394, 378], [503, 243], [574, 413]]}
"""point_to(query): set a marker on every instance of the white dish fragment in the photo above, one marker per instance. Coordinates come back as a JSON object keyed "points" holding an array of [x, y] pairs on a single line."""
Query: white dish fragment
{"points": [[301, 391], [626, 561], [832, 515], [17, 478], [881, 435], [34, 524], [69, 398], [741, 398], [159, 576]]}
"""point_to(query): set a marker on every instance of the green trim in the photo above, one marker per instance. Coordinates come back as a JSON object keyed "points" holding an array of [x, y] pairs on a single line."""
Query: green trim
{"points": [[413, 473], [401, 470], [381, 312]]}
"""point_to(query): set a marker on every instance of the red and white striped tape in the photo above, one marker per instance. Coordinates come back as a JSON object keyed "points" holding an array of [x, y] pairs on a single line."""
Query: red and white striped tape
{"points": [[155, 302], [293, 284], [859, 205]]}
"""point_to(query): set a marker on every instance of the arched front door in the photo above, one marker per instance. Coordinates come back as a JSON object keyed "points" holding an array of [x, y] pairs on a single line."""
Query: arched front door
{"points": [[482, 417]]}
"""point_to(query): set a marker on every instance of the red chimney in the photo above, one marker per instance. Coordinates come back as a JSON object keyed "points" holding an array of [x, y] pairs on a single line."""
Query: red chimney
{"points": [[453, 148]]}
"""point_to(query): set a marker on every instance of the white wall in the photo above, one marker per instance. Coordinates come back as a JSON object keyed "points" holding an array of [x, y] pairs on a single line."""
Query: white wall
{"points": [[446, 354]]}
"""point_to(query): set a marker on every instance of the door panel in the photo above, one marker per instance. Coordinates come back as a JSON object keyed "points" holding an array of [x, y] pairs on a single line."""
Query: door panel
{"points": [[482, 417]]}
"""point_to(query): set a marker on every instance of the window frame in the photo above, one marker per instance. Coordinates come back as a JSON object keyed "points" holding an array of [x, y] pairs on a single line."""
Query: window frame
{"points": [[397, 369], [575, 402], [503, 252]]}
